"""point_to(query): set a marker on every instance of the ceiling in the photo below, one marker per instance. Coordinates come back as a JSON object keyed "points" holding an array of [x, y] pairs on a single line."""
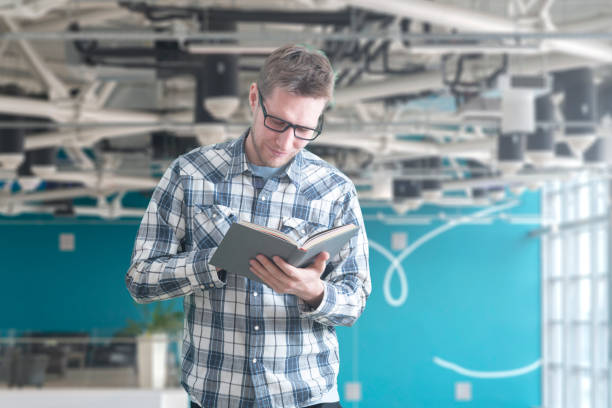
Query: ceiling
{"points": [[455, 103]]}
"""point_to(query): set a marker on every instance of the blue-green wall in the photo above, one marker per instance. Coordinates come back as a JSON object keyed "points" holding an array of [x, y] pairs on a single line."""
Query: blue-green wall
{"points": [[473, 300]]}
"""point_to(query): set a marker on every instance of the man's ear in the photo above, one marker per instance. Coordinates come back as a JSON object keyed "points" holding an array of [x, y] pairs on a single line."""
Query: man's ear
{"points": [[253, 97]]}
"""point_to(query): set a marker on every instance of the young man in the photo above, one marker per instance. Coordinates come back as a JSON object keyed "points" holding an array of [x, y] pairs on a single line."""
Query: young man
{"points": [[247, 344]]}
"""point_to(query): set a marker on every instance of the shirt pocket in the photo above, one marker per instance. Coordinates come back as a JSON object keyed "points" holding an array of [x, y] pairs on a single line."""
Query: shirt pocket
{"points": [[210, 224], [300, 230]]}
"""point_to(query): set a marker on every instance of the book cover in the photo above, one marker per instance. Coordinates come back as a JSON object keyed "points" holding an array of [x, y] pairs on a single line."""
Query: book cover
{"points": [[244, 241]]}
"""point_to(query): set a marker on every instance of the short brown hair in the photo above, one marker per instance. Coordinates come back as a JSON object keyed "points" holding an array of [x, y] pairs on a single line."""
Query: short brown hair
{"points": [[297, 69]]}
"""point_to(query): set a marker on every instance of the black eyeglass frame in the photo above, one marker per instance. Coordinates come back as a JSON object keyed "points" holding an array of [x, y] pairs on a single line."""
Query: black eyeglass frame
{"points": [[317, 131]]}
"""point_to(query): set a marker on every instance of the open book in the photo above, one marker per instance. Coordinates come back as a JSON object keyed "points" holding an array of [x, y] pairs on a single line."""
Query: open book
{"points": [[244, 241]]}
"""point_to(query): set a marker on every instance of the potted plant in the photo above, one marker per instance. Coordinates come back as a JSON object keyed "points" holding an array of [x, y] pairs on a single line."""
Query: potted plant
{"points": [[152, 340]]}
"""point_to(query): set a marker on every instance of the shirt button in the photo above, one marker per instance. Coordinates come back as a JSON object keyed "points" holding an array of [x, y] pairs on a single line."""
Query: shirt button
{"points": [[212, 285], [254, 293], [256, 328], [254, 360], [263, 198]]}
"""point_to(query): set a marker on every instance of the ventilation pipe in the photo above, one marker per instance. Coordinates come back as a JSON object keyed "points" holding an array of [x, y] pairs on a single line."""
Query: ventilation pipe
{"points": [[431, 187], [541, 143], [518, 117], [600, 152], [564, 155], [26, 178], [578, 105], [43, 161], [11, 144], [407, 190], [221, 76]]}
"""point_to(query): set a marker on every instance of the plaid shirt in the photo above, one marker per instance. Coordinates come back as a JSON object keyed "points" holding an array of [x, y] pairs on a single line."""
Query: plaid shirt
{"points": [[245, 345]]}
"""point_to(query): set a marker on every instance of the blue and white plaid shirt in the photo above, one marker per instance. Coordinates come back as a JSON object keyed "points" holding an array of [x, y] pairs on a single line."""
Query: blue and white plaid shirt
{"points": [[245, 345]]}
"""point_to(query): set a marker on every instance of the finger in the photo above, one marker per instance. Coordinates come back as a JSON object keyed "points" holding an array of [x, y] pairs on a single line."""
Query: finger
{"points": [[266, 262], [285, 267], [320, 261], [262, 273], [269, 268]]}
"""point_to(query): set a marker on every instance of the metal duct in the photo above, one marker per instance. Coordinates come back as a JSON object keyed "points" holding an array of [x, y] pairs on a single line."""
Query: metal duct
{"points": [[406, 188], [578, 105], [167, 146], [43, 160], [431, 187], [510, 151], [220, 75], [596, 153], [541, 144], [599, 151], [11, 143], [563, 150]]}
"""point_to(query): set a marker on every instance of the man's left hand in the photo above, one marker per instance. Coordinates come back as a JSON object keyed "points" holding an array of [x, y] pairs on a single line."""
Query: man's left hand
{"points": [[282, 277]]}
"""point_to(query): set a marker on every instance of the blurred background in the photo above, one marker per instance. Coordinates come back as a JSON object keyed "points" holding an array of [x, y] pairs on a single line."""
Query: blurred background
{"points": [[477, 134]]}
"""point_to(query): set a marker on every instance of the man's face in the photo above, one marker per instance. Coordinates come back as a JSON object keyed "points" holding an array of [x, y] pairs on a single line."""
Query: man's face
{"points": [[265, 147]]}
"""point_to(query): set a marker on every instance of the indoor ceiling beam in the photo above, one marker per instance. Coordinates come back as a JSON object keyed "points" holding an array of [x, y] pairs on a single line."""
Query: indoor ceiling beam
{"points": [[57, 90]]}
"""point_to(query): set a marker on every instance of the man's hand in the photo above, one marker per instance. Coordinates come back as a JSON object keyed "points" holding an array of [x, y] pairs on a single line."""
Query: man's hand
{"points": [[305, 283]]}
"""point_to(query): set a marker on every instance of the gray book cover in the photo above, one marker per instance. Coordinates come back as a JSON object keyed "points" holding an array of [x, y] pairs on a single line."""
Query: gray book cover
{"points": [[244, 241]]}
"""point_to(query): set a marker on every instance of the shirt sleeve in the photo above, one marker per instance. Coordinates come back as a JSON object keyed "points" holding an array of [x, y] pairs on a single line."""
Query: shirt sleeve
{"points": [[160, 269], [347, 276]]}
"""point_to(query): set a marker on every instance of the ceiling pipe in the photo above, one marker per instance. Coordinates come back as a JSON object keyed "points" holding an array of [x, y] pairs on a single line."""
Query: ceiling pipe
{"points": [[34, 10], [83, 138], [57, 90], [470, 20], [432, 80], [103, 181], [48, 195], [95, 16], [59, 113]]}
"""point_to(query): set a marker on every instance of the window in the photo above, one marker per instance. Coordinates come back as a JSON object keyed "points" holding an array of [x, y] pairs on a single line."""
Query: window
{"points": [[575, 282]]}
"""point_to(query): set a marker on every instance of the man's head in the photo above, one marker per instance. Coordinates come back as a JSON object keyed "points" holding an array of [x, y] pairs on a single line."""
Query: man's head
{"points": [[294, 86]]}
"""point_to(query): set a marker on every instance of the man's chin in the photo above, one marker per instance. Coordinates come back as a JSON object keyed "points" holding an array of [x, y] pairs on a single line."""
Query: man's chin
{"points": [[278, 161]]}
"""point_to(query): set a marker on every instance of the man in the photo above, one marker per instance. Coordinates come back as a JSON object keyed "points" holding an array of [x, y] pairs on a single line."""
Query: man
{"points": [[247, 344]]}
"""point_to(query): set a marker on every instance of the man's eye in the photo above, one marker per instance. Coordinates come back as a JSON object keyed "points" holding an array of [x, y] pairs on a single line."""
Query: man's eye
{"points": [[304, 132], [277, 123]]}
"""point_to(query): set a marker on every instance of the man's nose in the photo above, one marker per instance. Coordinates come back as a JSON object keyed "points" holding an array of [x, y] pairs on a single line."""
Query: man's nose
{"points": [[285, 139]]}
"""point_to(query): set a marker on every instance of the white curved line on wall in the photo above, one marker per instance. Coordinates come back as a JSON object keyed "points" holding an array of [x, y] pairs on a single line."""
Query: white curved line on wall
{"points": [[401, 274], [397, 260], [487, 374]]}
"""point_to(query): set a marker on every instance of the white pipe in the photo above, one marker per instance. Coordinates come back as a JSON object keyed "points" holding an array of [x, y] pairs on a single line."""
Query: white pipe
{"points": [[57, 90], [34, 10], [28, 106], [432, 80], [105, 93], [442, 14], [471, 20], [48, 195], [503, 180], [591, 24], [230, 49], [83, 138], [113, 181], [406, 84], [103, 181], [85, 18]]}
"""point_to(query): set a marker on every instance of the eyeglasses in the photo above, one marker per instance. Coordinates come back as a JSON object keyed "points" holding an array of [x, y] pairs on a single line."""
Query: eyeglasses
{"points": [[280, 125]]}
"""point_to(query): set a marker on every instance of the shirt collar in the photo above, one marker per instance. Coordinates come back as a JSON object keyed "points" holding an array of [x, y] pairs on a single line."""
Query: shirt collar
{"points": [[239, 162]]}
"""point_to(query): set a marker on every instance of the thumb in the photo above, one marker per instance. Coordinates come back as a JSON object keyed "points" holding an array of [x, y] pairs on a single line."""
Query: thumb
{"points": [[320, 260]]}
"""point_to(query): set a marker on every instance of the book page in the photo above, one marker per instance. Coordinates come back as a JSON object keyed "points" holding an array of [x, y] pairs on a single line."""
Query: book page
{"points": [[327, 234], [269, 231]]}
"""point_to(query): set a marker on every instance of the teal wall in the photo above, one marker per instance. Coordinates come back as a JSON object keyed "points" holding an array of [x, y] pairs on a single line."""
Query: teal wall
{"points": [[472, 299]]}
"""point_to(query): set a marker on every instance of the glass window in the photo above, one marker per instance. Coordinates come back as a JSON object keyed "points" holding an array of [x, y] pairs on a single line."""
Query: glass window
{"points": [[576, 260]]}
